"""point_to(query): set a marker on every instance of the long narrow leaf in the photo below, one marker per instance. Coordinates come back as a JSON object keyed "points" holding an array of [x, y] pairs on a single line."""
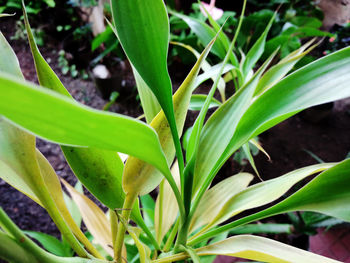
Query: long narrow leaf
{"points": [[216, 197], [35, 108], [277, 72], [304, 88], [204, 32], [17, 150], [261, 249], [149, 102], [220, 128], [264, 192], [257, 49], [334, 181]]}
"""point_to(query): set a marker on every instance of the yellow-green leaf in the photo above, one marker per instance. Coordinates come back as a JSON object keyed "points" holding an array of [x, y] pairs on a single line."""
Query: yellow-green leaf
{"points": [[261, 249], [265, 192], [95, 220], [166, 209], [216, 197]]}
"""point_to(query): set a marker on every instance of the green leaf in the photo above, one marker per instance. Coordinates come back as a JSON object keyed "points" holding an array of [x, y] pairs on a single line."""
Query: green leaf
{"points": [[15, 180], [224, 40], [197, 102], [82, 126], [149, 101], [264, 228], [204, 32], [102, 38], [220, 128], [306, 21], [100, 171], [247, 152], [8, 62], [144, 251], [278, 71], [209, 71], [50, 3], [54, 188], [46, 76], [307, 87], [335, 182], [72, 207], [304, 88], [148, 206], [50, 243], [33, 175], [256, 50], [143, 31]]}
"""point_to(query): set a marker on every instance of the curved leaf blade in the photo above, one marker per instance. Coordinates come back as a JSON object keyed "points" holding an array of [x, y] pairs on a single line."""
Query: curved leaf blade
{"points": [[34, 108], [220, 128], [143, 31], [197, 102], [256, 50], [149, 102], [307, 87], [335, 182], [265, 192], [216, 197], [304, 88], [204, 32], [312, 197], [47, 78], [8, 62], [261, 249]]}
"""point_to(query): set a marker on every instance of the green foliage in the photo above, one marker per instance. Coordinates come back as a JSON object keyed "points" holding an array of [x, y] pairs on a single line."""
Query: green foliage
{"points": [[33, 6], [187, 208]]}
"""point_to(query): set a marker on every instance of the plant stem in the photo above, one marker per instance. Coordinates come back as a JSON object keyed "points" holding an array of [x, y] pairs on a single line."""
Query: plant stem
{"points": [[127, 206], [27, 245], [171, 237], [182, 235], [178, 148], [114, 225], [150, 236], [12, 252], [160, 211], [172, 258]]}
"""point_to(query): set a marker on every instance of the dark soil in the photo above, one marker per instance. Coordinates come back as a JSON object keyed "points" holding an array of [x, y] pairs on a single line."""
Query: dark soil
{"points": [[287, 143]]}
